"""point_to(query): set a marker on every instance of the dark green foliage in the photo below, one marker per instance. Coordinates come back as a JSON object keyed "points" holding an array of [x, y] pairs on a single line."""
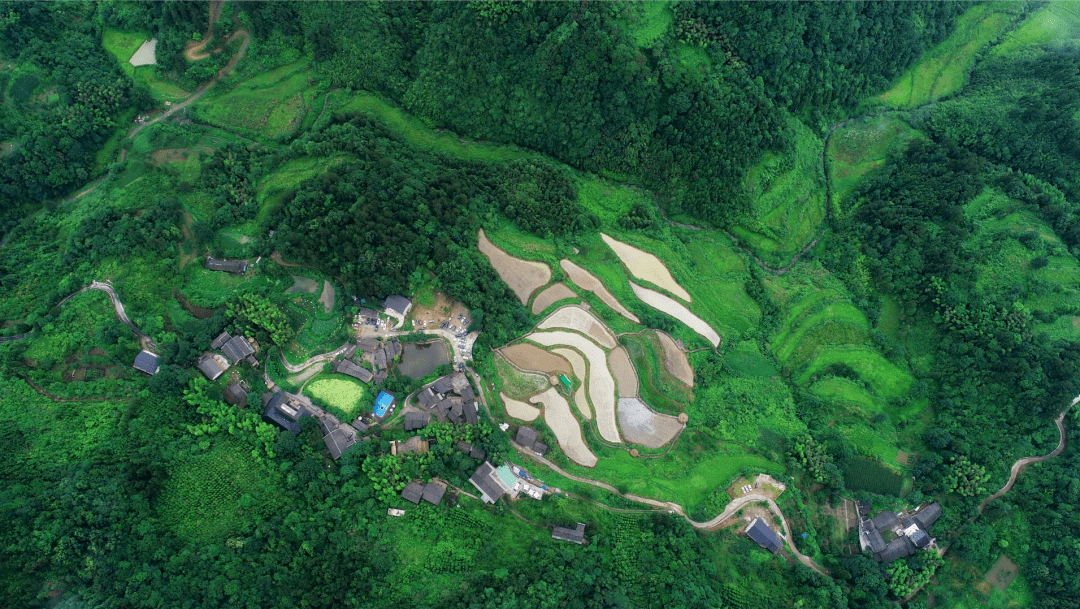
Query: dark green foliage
{"points": [[866, 475]]}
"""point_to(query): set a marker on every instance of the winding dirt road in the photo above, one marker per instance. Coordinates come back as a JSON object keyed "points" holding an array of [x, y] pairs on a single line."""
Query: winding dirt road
{"points": [[323, 357], [1020, 464], [118, 307]]}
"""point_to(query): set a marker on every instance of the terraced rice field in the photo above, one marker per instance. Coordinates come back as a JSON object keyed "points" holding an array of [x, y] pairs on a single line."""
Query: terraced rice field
{"points": [[588, 282], [581, 372], [646, 267], [518, 409], [531, 357], [523, 276], [573, 317], [566, 428], [626, 378], [669, 305], [641, 425], [551, 294], [601, 383], [675, 360]]}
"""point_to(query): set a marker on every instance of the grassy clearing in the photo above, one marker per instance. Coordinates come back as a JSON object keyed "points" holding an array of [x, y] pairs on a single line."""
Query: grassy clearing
{"points": [[415, 132], [271, 106], [867, 475], [858, 148], [649, 21], [517, 384], [122, 45], [275, 188], [788, 198], [886, 379], [834, 323], [659, 389], [344, 397], [205, 288], [943, 69], [1057, 23]]}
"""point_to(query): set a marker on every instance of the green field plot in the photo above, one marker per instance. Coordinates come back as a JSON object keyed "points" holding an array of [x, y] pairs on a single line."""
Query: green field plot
{"points": [[517, 384], [122, 45], [205, 288], [943, 70], [415, 132], [273, 105], [788, 200], [859, 147], [747, 361], [648, 21], [886, 379], [836, 323], [209, 496], [344, 397], [867, 475], [1057, 23], [610, 200], [659, 388], [839, 389]]}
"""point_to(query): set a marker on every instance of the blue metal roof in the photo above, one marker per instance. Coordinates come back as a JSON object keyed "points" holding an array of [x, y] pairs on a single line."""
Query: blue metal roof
{"points": [[382, 403]]}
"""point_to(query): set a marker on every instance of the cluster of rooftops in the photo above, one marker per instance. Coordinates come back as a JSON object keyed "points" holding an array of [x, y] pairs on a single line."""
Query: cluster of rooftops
{"points": [[286, 409], [379, 354], [225, 352], [451, 398], [909, 532]]}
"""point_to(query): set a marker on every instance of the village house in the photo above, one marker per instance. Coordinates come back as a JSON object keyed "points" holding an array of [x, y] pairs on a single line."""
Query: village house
{"points": [[237, 267], [416, 420], [451, 398], [235, 395], [576, 534], [526, 437], [397, 304], [909, 532], [233, 350], [346, 367], [146, 362], [764, 536]]}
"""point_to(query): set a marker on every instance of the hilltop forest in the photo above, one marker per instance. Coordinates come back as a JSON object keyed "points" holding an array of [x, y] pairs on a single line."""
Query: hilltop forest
{"points": [[875, 205]]}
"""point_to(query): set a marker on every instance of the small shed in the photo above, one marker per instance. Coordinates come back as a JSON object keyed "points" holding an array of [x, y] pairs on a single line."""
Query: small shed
{"points": [[146, 362], [237, 267]]}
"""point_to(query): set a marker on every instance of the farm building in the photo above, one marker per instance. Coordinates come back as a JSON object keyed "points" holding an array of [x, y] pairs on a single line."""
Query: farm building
{"points": [[427, 398], [527, 437], [379, 358], [413, 492], [383, 403], [235, 395], [416, 420], [397, 304], [212, 365], [367, 345], [146, 362], [433, 492], [238, 267], [346, 367], [764, 536], [576, 534]]}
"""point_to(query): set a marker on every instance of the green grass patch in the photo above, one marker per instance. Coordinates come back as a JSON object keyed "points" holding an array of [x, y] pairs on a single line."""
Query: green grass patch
{"points": [[867, 475], [517, 384], [884, 377], [649, 21], [745, 360], [788, 199], [943, 70], [205, 288], [659, 388], [345, 397], [860, 147], [836, 323], [1057, 23], [210, 496], [270, 106], [122, 45]]}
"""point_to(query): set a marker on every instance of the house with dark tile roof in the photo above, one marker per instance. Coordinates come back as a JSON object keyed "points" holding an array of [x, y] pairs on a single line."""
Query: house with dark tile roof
{"points": [[235, 395], [397, 304], [414, 491], [527, 437], [764, 536], [146, 362], [575, 535], [339, 439], [487, 482], [286, 416], [344, 366], [928, 515], [433, 492], [911, 532], [237, 267], [416, 420], [212, 365], [237, 349], [221, 339]]}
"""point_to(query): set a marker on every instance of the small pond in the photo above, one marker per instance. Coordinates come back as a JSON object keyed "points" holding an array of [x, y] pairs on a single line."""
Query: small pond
{"points": [[420, 359]]}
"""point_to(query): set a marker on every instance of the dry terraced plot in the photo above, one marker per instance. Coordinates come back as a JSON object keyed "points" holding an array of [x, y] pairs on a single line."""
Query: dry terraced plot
{"points": [[641, 425], [601, 384], [672, 307], [646, 267], [573, 317], [625, 376], [675, 360], [566, 428], [581, 372], [523, 276], [518, 409], [552, 294], [531, 357], [587, 281]]}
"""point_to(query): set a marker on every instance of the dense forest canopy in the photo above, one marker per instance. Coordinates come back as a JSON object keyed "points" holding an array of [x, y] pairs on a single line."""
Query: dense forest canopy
{"points": [[919, 340]]}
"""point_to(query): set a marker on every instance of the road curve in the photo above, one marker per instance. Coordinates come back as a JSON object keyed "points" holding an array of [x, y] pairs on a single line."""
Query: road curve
{"points": [[118, 307], [1021, 463], [323, 357], [710, 525]]}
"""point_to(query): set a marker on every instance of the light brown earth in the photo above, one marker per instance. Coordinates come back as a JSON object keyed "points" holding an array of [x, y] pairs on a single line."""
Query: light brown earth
{"points": [[566, 428], [626, 379], [645, 266], [327, 297], [1002, 573], [518, 409], [531, 357], [676, 362], [302, 285], [581, 372], [552, 294], [601, 384], [672, 307], [573, 317], [642, 425], [523, 276], [587, 281]]}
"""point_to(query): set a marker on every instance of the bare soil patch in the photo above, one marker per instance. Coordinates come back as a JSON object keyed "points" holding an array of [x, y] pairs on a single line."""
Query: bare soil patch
{"points": [[146, 55], [518, 409], [1002, 573], [523, 276], [566, 428], [303, 285], [581, 372], [587, 281], [327, 296], [641, 425], [197, 312], [646, 267], [675, 360], [666, 304], [531, 357], [600, 382], [552, 294], [903, 458], [573, 317], [626, 379]]}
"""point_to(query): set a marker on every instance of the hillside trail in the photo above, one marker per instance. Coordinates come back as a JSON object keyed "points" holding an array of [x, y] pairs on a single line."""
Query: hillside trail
{"points": [[675, 508], [118, 308], [1020, 464], [192, 50]]}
